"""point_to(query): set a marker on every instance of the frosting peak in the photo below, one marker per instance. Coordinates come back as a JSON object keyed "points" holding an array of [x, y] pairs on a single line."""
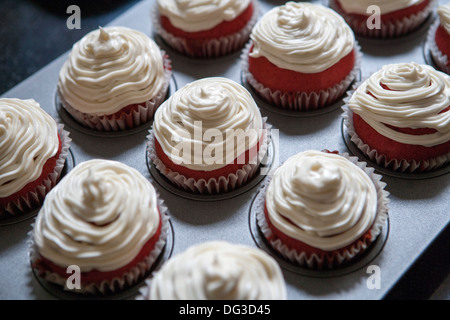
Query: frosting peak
{"points": [[105, 45], [317, 180], [404, 77], [295, 20], [92, 206]]}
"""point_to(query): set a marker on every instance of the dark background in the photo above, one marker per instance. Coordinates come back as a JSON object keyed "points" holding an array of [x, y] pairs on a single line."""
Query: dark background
{"points": [[33, 33]]}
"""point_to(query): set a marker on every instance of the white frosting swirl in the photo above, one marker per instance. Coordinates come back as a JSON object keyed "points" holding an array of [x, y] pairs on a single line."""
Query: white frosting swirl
{"points": [[302, 37], [322, 200], [386, 6], [203, 115], [219, 271], [28, 138], [200, 15], [444, 16], [109, 69], [418, 94], [99, 216]]}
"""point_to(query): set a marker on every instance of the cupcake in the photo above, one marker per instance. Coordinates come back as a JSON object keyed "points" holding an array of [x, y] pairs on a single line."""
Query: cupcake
{"points": [[217, 270], [33, 150], [399, 117], [439, 39], [205, 28], [301, 57], [105, 218], [322, 210], [208, 137], [397, 18], [114, 79]]}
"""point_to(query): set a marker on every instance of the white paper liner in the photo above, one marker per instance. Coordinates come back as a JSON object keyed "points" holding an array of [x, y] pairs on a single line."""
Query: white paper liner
{"points": [[389, 29], [400, 165], [212, 186], [209, 48], [142, 114], [144, 291], [301, 101], [129, 278], [33, 199], [440, 59], [314, 261]]}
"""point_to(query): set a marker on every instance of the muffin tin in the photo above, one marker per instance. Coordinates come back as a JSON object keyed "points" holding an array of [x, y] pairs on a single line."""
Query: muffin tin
{"points": [[418, 208]]}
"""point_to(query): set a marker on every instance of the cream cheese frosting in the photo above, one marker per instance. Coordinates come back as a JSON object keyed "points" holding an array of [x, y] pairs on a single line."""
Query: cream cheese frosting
{"points": [[109, 69], [200, 15], [98, 217], [321, 199], [302, 37], [386, 6], [219, 270], [28, 138], [418, 94], [204, 117], [444, 16]]}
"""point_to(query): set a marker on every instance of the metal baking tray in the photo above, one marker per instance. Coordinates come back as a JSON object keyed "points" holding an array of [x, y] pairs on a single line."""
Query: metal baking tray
{"points": [[418, 208]]}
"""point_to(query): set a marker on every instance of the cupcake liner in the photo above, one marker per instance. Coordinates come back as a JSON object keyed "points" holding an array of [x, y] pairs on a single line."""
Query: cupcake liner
{"points": [[339, 256], [301, 101], [388, 29], [35, 198], [208, 48], [440, 59], [400, 165], [129, 278], [136, 117], [144, 291], [213, 185]]}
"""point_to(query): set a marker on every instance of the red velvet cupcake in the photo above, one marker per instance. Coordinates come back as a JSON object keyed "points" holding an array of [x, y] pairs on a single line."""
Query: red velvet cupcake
{"points": [[205, 28], [208, 137], [301, 57], [399, 117], [321, 209], [439, 39], [396, 18], [104, 219], [114, 79], [33, 150]]}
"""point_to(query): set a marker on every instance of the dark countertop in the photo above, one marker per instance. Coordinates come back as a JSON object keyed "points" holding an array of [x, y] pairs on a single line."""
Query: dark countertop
{"points": [[33, 33]]}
